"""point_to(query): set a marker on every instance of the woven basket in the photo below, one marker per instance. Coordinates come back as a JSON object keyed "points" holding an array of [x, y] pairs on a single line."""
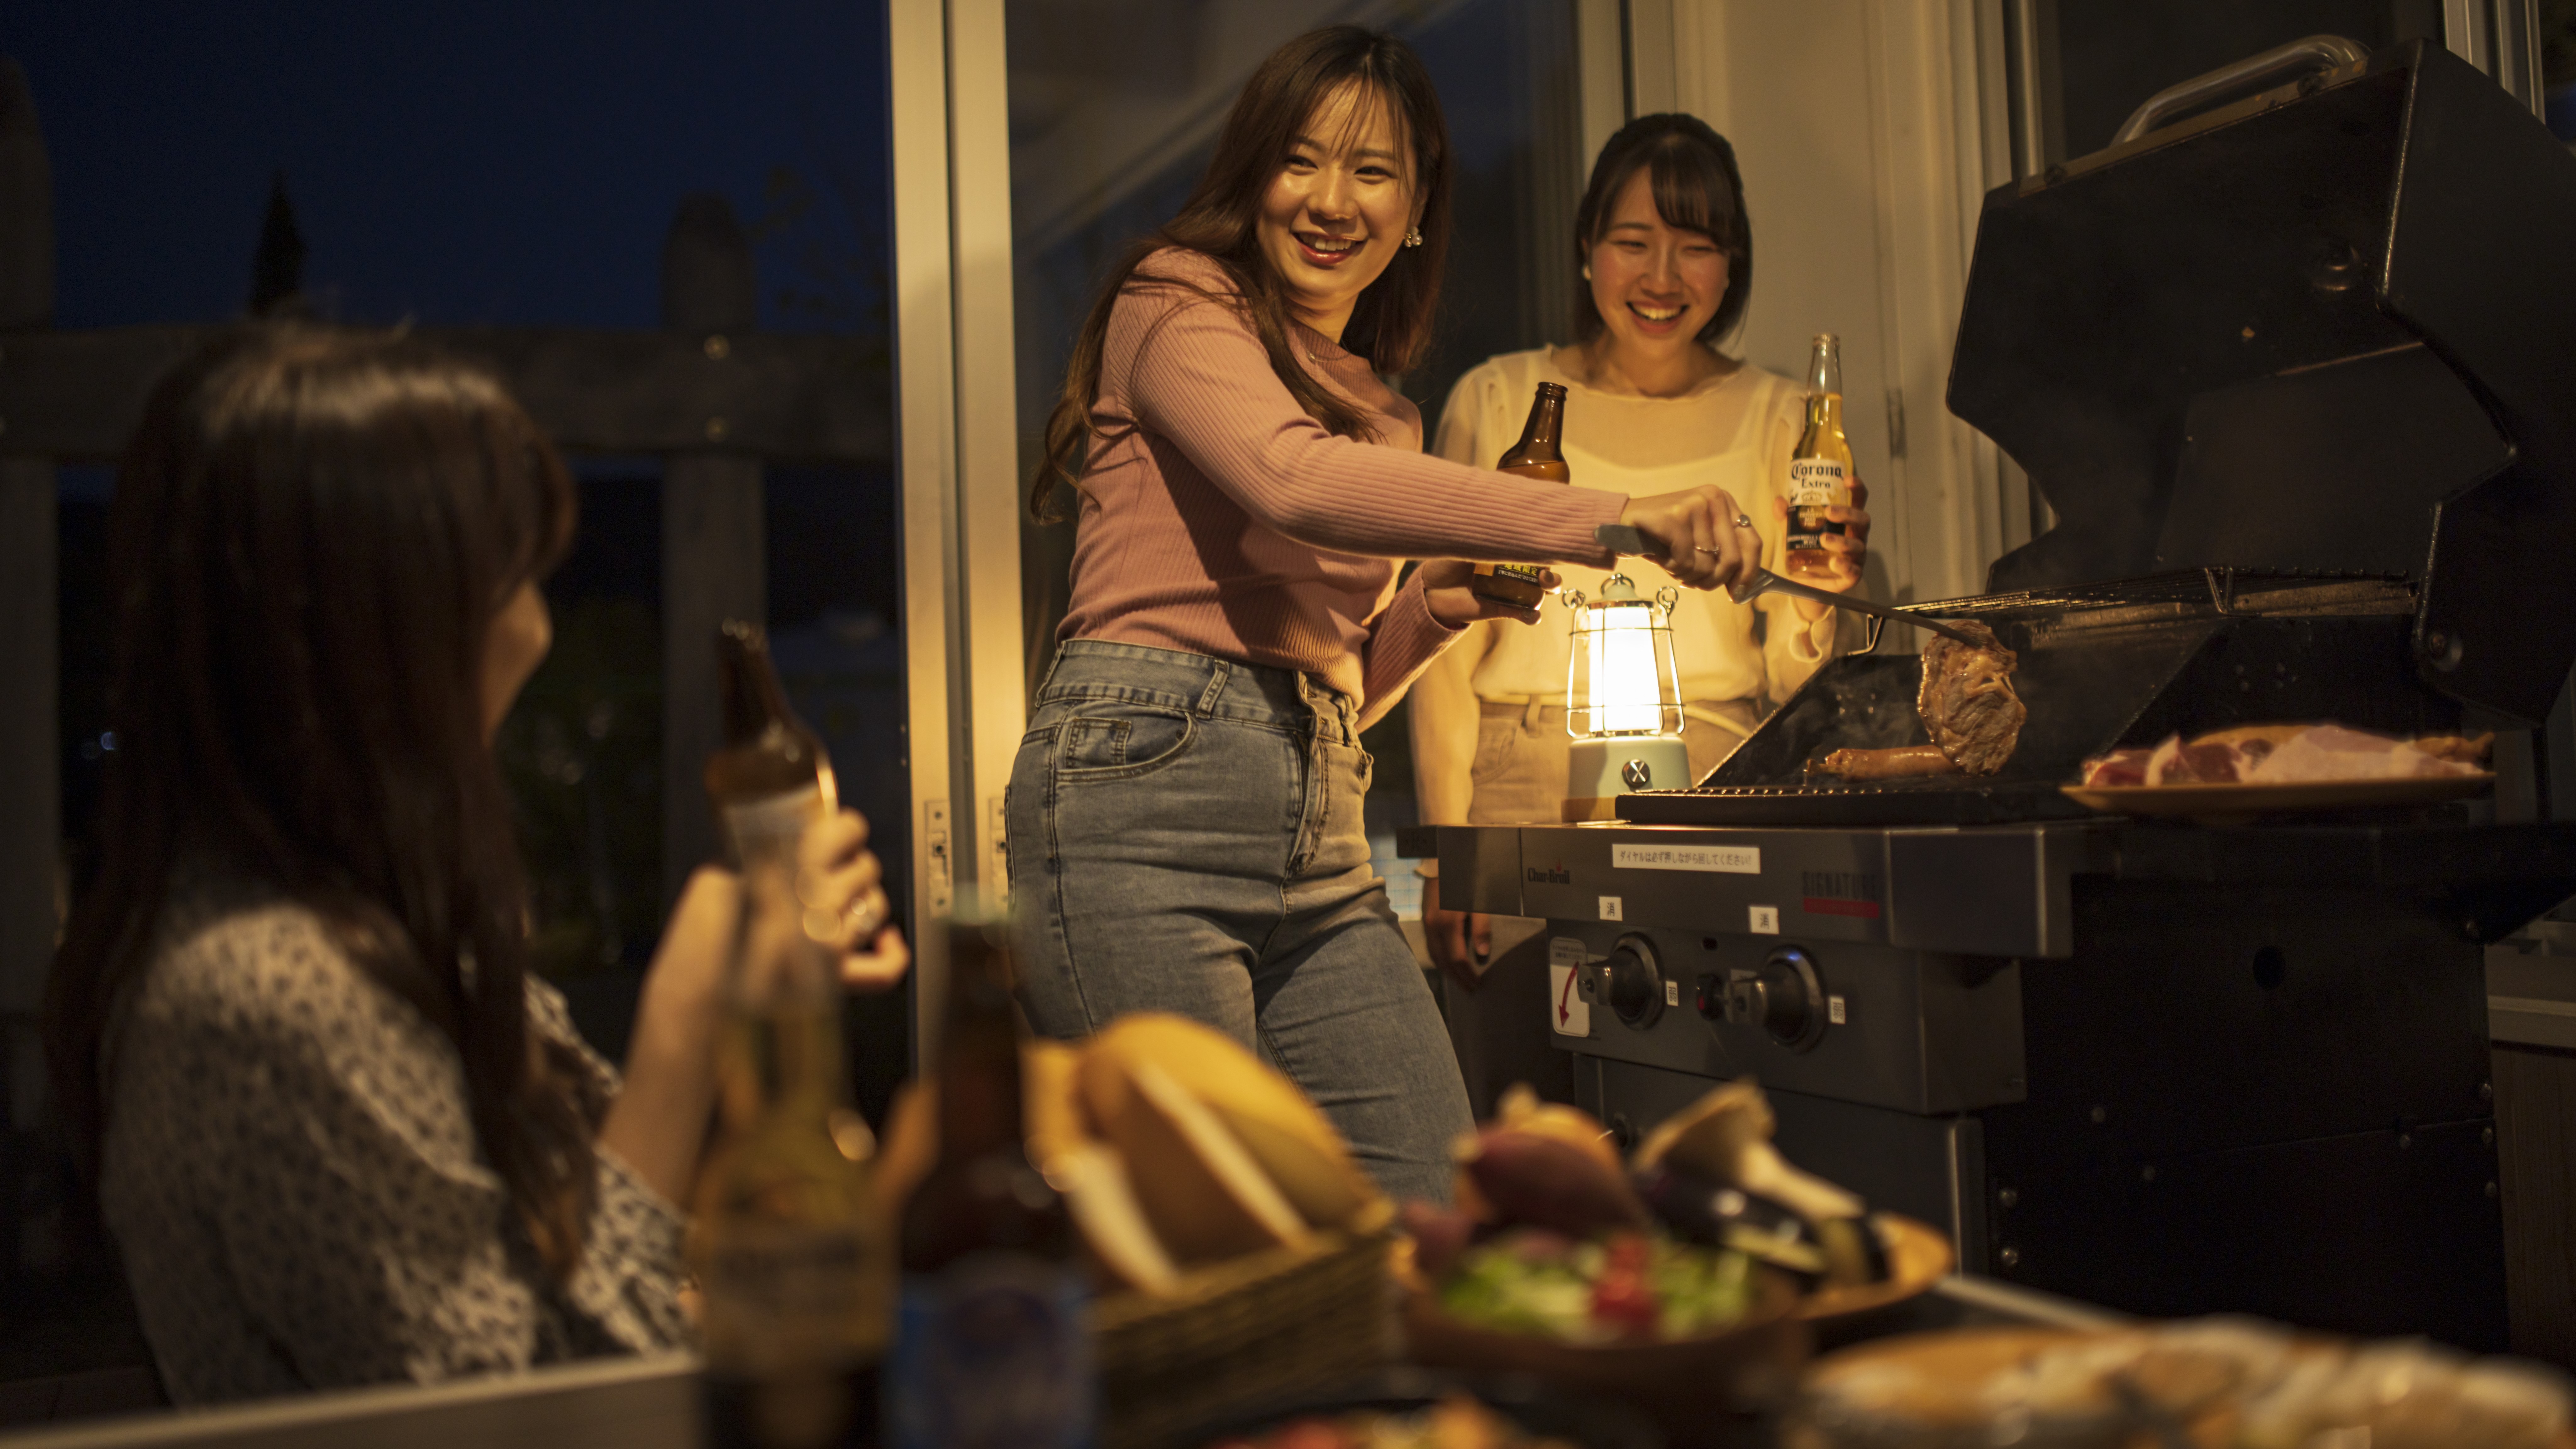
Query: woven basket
{"points": [[1257, 1327]]}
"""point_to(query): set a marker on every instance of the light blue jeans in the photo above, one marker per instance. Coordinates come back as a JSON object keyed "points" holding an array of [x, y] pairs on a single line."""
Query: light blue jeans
{"points": [[1185, 836]]}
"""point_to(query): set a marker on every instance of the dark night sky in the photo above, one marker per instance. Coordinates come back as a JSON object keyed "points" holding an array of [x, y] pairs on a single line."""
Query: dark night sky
{"points": [[491, 161]]}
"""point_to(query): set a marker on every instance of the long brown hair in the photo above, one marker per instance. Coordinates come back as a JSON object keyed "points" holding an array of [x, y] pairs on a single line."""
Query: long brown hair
{"points": [[1691, 171], [313, 531], [1392, 323]]}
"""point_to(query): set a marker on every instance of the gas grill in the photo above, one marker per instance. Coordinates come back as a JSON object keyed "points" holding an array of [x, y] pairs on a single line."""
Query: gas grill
{"points": [[2289, 373]]}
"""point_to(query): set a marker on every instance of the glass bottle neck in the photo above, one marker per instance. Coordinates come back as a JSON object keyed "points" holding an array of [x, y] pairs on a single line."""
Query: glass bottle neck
{"points": [[979, 1067], [754, 701], [1546, 426]]}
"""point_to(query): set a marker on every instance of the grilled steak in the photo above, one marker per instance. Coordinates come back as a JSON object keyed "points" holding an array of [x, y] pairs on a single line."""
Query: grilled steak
{"points": [[1967, 700]]}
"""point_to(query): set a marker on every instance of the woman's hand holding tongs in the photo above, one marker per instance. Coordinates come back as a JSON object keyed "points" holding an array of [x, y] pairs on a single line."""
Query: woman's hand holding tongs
{"points": [[1700, 535]]}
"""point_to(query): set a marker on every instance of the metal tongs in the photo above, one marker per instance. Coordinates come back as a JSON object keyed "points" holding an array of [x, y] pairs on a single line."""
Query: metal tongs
{"points": [[1624, 538]]}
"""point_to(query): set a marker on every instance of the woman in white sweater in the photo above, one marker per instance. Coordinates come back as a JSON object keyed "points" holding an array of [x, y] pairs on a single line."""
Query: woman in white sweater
{"points": [[1651, 406]]}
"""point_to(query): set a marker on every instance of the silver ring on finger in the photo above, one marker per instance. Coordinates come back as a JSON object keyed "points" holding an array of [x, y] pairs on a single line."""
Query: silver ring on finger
{"points": [[1696, 549], [1743, 521], [865, 916]]}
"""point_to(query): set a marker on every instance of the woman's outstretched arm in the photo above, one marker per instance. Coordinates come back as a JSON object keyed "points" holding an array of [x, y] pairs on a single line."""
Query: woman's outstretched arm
{"points": [[1197, 375]]}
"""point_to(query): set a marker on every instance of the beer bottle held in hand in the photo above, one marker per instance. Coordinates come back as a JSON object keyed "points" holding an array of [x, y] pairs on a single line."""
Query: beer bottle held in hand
{"points": [[990, 1343], [794, 1259], [771, 779], [1536, 455], [1820, 467]]}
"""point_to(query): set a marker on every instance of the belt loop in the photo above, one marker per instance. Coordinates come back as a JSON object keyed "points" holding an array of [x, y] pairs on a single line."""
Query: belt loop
{"points": [[1217, 678], [1531, 713]]}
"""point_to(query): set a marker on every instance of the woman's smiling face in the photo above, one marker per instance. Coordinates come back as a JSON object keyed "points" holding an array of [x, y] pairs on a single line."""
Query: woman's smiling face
{"points": [[1655, 284], [1339, 206]]}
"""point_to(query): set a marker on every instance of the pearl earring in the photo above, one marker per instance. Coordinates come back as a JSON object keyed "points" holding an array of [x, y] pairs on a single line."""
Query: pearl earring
{"points": [[1587, 271], [1413, 238]]}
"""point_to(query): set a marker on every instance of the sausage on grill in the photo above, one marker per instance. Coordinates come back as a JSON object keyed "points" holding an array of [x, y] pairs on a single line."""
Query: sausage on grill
{"points": [[1893, 764]]}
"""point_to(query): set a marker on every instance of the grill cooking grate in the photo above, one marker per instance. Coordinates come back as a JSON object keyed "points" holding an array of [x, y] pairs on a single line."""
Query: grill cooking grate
{"points": [[1935, 800]]}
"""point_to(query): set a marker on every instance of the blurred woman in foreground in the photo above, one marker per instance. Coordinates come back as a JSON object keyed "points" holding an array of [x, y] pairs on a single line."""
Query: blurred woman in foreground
{"points": [[340, 1133]]}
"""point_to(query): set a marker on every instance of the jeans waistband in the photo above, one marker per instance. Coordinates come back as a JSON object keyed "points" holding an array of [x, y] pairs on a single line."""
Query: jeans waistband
{"points": [[1207, 686]]}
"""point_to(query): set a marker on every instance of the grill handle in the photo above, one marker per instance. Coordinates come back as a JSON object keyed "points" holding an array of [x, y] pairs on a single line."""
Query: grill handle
{"points": [[2304, 56]]}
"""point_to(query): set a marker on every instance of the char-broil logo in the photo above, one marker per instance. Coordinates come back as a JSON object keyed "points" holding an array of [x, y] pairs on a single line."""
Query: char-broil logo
{"points": [[1551, 875], [1840, 893]]}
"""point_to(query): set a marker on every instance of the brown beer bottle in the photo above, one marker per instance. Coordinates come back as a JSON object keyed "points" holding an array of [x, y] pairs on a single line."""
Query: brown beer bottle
{"points": [[795, 1266], [772, 778], [794, 1260], [990, 1343], [1536, 455]]}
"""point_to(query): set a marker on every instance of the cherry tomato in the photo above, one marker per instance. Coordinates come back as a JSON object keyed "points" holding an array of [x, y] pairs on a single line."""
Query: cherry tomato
{"points": [[1625, 1253], [1623, 1298], [1311, 1434]]}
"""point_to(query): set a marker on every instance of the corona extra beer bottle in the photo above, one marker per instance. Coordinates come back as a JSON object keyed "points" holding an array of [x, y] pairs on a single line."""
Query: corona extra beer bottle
{"points": [[1536, 455], [1820, 467]]}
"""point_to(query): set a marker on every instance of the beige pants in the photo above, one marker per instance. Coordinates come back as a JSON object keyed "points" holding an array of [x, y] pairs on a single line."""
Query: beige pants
{"points": [[1500, 1029]]}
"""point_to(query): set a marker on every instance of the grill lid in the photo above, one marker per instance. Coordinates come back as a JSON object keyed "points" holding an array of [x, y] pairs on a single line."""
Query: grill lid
{"points": [[2321, 329]]}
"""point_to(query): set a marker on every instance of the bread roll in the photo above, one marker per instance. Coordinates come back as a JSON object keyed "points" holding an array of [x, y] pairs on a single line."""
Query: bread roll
{"points": [[1051, 1113], [1289, 1137], [1522, 1111], [1726, 1137], [1103, 1202], [1202, 1191]]}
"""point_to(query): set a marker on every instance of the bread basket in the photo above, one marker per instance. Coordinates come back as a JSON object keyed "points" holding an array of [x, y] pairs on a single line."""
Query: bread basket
{"points": [[1250, 1329]]}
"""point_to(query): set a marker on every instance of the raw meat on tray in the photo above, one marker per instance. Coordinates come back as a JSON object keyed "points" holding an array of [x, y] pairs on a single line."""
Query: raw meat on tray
{"points": [[2287, 755]]}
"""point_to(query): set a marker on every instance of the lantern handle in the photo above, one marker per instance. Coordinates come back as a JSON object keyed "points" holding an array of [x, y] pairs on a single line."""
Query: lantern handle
{"points": [[1668, 598]]}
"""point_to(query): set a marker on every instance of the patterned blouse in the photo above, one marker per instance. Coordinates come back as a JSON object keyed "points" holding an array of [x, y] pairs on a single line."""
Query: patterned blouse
{"points": [[291, 1172]]}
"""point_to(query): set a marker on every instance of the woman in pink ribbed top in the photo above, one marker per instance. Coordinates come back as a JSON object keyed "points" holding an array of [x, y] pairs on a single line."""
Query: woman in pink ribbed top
{"points": [[1185, 811]]}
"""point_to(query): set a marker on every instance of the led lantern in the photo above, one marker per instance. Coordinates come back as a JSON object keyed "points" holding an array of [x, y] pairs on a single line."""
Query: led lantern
{"points": [[1623, 699]]}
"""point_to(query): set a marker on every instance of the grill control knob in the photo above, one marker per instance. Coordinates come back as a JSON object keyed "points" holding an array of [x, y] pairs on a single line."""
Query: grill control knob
{"points": [[1788, 999], [1636, 982]]}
